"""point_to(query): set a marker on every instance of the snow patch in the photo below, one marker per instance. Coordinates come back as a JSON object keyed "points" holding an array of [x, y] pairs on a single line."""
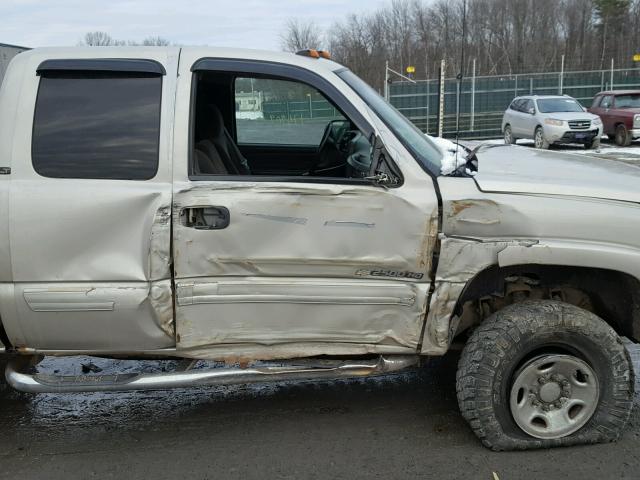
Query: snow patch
{"points": [[453, 155], [249, 115]]}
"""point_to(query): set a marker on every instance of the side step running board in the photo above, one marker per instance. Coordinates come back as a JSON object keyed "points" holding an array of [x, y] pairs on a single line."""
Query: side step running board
{"points": [[42, 383]]}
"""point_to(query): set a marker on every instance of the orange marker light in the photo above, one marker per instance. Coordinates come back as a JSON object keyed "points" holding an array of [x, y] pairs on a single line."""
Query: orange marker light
{"points": [[311, 53], [324, 54]]}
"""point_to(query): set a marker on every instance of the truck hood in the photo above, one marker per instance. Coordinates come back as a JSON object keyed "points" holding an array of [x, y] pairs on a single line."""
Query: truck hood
{"points": [[513, 169]]}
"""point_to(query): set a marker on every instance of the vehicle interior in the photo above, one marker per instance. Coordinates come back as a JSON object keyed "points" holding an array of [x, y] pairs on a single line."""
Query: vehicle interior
{"points": [[265, 126]]}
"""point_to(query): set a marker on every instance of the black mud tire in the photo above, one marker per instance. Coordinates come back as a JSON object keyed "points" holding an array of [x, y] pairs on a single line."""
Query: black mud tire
{"points": [[507, 339]]}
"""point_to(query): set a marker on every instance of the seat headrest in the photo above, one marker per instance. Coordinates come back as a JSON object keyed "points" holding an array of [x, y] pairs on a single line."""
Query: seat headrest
{"points": [[210, 122]]}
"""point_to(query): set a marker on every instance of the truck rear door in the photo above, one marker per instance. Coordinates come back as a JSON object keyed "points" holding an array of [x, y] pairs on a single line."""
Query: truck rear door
{"points": [[90, 201]]}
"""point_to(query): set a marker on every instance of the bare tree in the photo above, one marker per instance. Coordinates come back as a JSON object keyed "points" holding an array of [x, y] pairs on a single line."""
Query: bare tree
{"points": [[503, 36], [100, 39], [156, 42], [103, 39], [300, 35]]}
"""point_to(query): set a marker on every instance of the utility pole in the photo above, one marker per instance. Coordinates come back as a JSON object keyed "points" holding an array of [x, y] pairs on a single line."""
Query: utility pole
{"points": [[473, 95], [386, 80], [443, 67], [460, 75], [426, 76], [612, 87], [561, 84]]}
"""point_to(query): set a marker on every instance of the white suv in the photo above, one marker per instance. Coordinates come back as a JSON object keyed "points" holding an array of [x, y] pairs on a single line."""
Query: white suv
{"points": [[551, 119]]}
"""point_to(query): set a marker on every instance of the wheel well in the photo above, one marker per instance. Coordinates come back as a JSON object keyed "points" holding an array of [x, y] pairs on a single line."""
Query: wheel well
{"points": [[613, 296]]}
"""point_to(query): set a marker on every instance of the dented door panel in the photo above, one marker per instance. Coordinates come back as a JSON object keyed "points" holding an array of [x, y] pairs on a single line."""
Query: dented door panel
{"points": [[124, 316], [252, 310], [302, 263], [90, 259]]}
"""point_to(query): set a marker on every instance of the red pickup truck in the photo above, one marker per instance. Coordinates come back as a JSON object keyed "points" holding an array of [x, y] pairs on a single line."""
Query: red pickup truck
{"points": [[620, 114]]}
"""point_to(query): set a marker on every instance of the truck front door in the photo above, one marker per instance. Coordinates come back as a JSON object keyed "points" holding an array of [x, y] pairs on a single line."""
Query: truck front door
{"points": [[293, 262]]}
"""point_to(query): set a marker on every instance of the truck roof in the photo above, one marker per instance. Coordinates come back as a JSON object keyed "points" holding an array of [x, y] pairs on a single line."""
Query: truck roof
{"points": [[543, 97], [203, 52], [619, 92]]}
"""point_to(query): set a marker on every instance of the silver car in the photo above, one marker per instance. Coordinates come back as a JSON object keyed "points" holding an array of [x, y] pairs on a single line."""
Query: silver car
{"points": [[552, 119]]}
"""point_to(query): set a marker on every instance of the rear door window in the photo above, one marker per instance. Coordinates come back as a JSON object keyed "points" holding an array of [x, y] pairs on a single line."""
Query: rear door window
{"points": [[97, 125]]}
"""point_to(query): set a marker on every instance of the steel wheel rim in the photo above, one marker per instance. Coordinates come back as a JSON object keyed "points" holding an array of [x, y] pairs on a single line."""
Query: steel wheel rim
{"points": [[553, 396], [539, 138]]}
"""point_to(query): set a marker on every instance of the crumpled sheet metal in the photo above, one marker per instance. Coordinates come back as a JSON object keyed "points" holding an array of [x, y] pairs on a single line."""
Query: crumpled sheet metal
{"points": [[303, 265], [260, 311], [460, 261]]}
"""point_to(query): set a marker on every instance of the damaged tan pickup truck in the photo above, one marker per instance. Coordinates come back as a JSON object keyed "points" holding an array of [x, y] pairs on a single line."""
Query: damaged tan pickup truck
{"points": [[271, 211]]}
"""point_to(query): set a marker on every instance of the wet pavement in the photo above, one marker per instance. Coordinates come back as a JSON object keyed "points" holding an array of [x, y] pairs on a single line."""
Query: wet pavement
{"points": [[397, 426]]}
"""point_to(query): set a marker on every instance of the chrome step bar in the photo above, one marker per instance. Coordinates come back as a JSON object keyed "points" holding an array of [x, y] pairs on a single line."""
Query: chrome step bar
{"points": [[43, 383]]}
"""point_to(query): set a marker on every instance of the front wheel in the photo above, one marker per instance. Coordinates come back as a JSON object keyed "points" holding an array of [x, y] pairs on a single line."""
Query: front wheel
{"points": [[594, 144], [509, 139], [539, 140], [543, 373]]}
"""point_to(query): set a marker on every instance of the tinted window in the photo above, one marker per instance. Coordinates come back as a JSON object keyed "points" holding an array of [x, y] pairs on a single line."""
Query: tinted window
{"points": [[550, 105], [97, 125], [280, 112], [596, 102], [628, 101]]}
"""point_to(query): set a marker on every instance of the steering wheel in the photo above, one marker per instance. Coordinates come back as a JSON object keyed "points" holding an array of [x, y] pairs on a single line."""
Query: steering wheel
{"points": [[326, 135]]}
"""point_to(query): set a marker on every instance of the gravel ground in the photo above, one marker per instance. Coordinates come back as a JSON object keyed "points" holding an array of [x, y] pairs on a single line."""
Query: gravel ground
{"points": [[397, 426]]}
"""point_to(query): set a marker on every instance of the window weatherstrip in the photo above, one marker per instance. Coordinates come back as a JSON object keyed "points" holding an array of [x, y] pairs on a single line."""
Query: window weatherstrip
{"points": [[134, 65]]}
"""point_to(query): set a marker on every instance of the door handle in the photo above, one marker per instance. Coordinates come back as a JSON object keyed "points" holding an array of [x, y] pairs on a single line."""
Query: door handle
{"points": [[205, 218]]}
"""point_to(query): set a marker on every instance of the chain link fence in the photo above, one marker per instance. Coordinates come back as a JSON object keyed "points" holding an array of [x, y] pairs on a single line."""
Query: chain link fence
{"points": [[483, 100]]}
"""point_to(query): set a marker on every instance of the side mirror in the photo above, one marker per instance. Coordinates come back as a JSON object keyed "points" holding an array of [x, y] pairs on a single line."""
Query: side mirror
{"points": [[382, 172], [532, 111]]}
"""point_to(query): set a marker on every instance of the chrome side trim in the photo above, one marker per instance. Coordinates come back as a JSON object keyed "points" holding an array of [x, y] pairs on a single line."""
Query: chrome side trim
{"points": [[41, 383]]}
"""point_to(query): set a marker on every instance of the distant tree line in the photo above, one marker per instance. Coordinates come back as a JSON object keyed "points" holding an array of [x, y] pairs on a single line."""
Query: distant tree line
{"points": [[503, 36], [103, 39]]}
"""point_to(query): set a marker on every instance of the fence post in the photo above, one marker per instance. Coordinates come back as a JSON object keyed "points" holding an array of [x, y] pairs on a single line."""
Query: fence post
{"points": [[530, 85], [386, 80], [612, 87], [561, 83], [441, 98], [515, 92], [426, 75], [473, 96]]}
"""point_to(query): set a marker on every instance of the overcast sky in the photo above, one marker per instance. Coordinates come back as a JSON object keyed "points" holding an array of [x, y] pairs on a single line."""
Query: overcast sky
{"points": [[237, 23]]}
